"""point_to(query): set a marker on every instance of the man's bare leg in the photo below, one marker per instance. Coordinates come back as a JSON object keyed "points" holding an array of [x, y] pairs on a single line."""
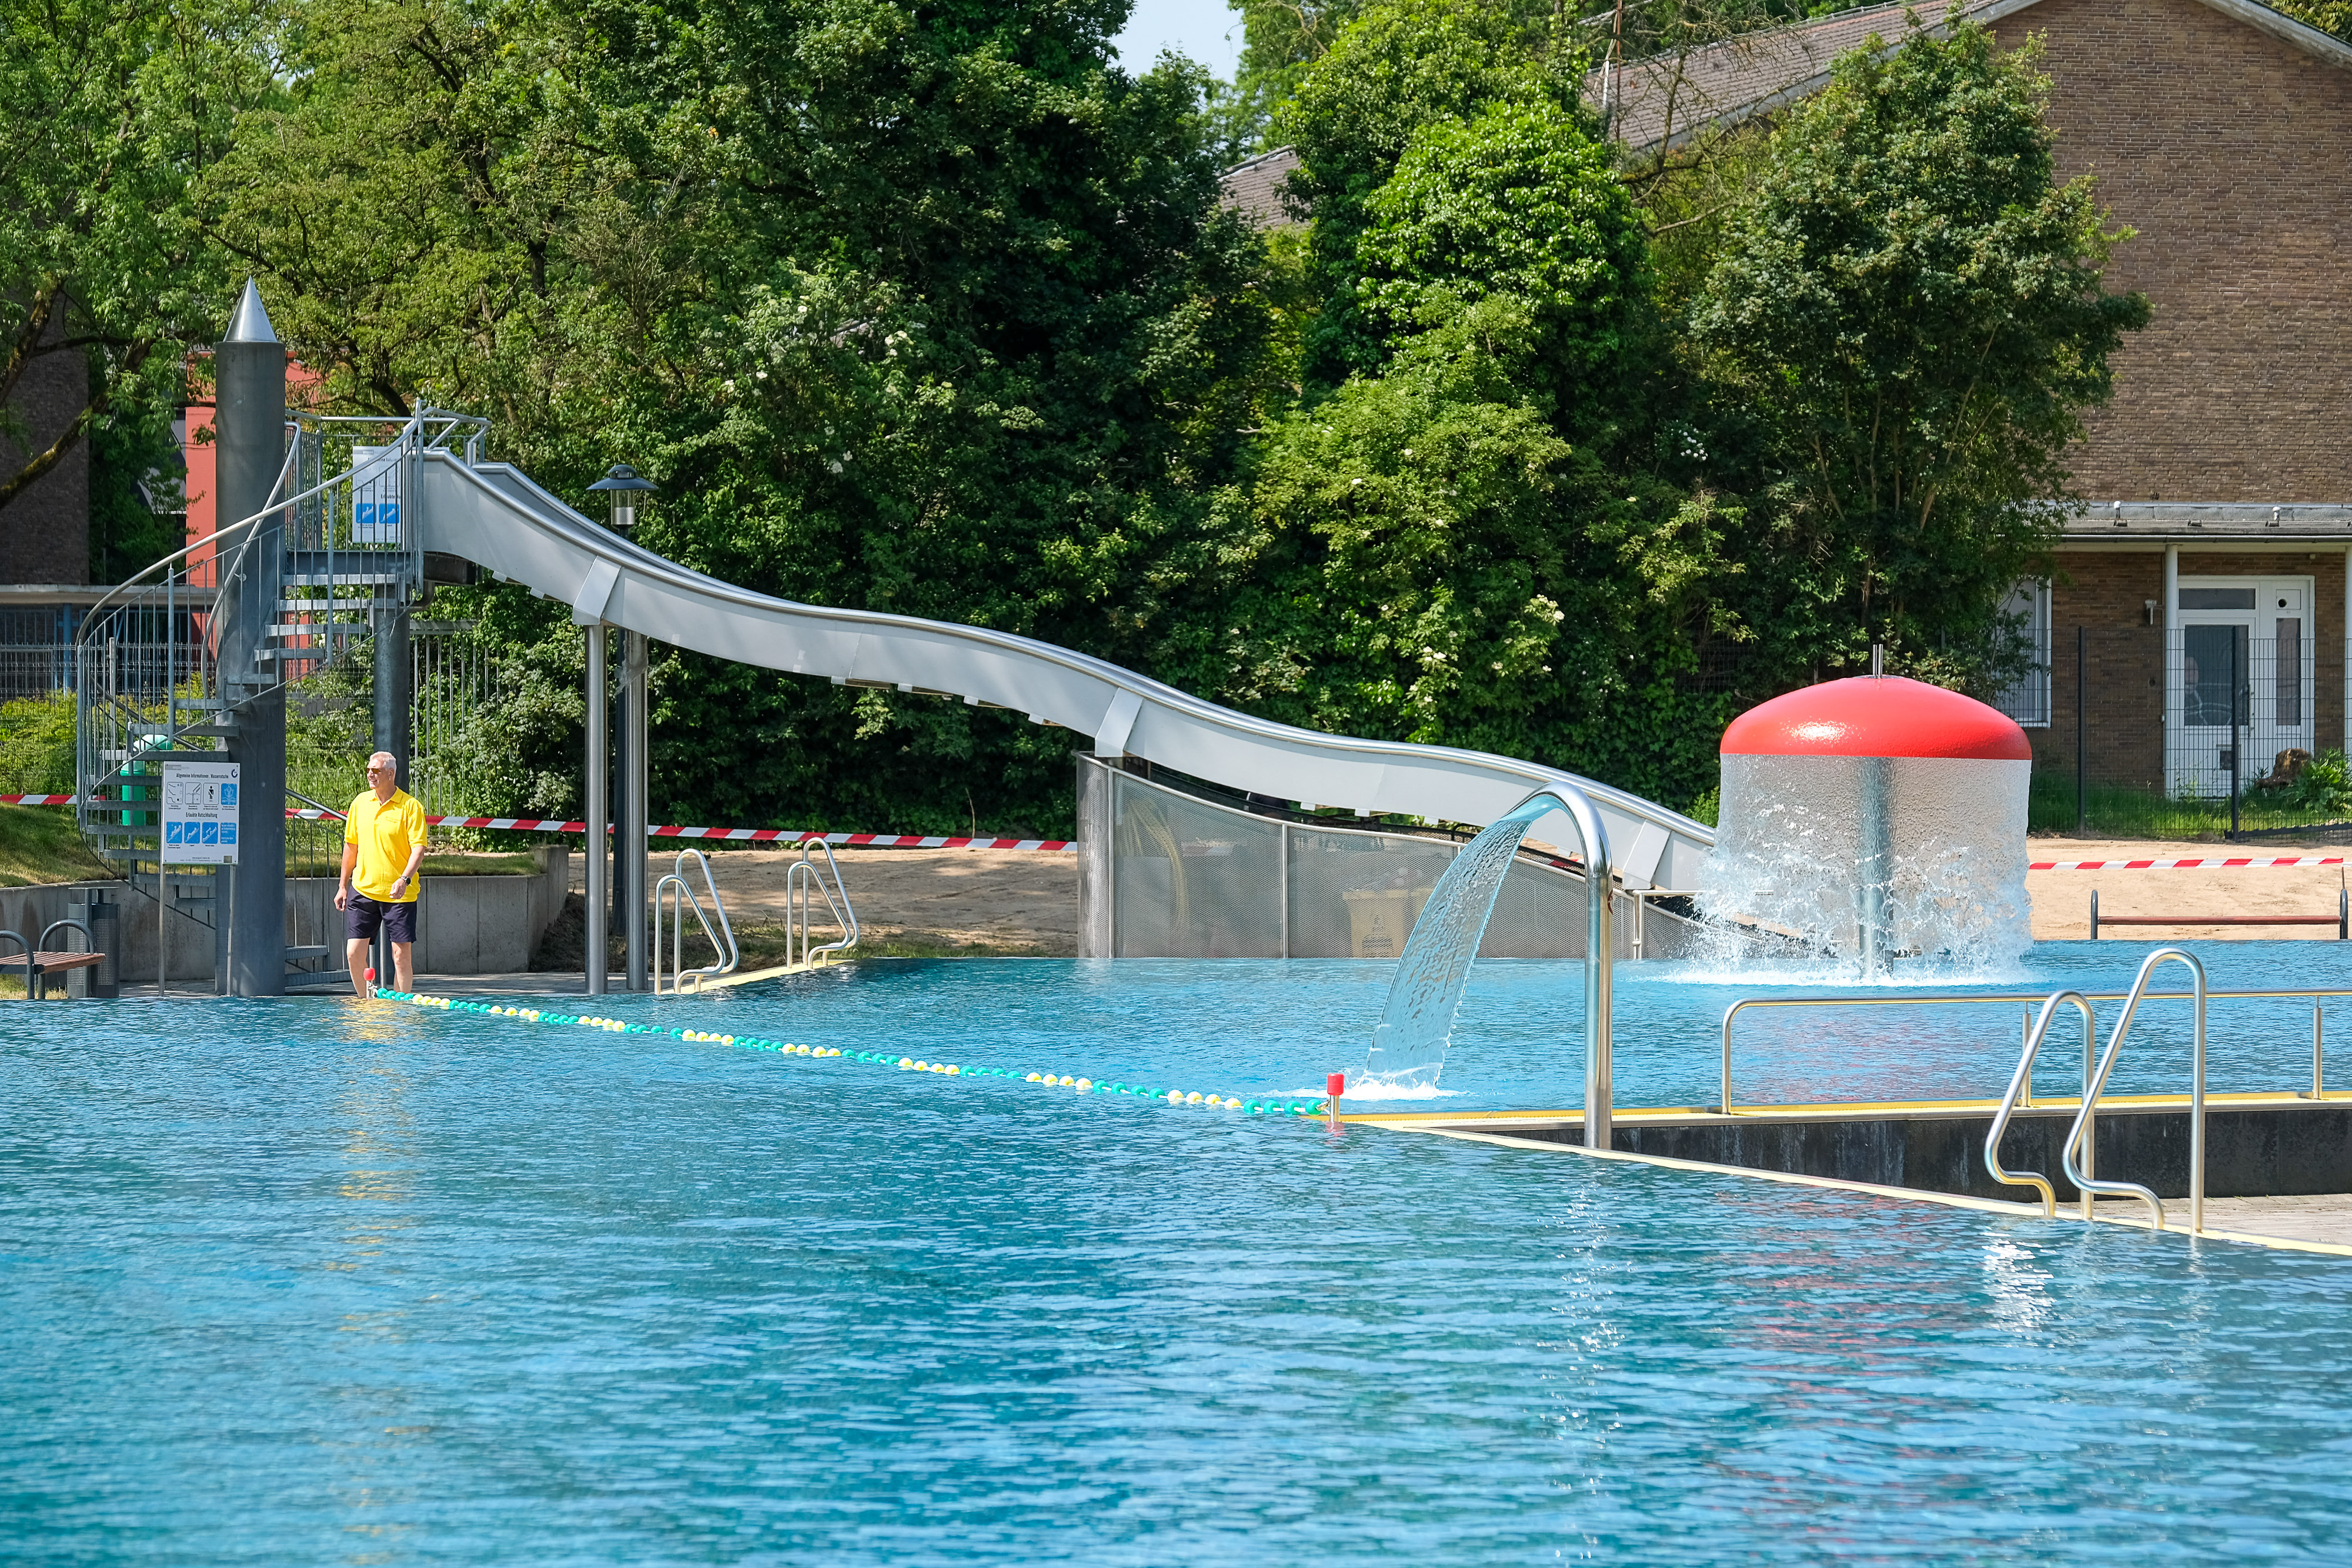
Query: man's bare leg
{"points": [[404, 966], [355, 958]]}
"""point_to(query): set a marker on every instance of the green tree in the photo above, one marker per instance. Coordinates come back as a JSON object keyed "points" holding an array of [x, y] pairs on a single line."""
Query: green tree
{"points": [[2333, 17], [1397, 67], [1421, 556], [920, 309], [1520, 200], [1913, 314], [109, 114]]}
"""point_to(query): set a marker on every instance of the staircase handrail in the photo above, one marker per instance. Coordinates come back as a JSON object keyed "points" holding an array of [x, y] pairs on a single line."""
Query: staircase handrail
{"points": [[798, 909], [2021, 1088], [2082, 1179], [416, 422]]}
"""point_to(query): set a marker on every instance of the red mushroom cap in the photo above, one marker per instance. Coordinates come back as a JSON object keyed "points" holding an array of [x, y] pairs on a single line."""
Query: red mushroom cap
{"points": [[1870, 716]]}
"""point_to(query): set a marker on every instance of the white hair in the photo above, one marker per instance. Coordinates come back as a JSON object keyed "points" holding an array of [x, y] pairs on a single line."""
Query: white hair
{"points": [[385, 757]]}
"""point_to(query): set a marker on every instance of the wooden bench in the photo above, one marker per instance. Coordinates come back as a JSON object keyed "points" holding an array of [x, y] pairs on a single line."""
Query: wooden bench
{"points": [[36, 965]]}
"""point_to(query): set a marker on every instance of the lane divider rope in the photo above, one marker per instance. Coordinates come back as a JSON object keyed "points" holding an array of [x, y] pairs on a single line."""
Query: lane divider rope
{"points": [[1188, 1100]]}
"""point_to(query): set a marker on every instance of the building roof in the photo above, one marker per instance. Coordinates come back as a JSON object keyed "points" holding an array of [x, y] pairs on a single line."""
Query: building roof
{"points": [[1666, 100], [2196, 522], [1254, 189]]}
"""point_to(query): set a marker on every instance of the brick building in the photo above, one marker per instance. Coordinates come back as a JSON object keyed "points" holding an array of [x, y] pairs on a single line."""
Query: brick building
{"points": [[45, 530], [2217, 553]]}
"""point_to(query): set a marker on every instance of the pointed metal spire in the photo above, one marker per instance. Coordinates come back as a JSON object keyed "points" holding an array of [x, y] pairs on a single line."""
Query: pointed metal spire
{"points": [[251, 323]]}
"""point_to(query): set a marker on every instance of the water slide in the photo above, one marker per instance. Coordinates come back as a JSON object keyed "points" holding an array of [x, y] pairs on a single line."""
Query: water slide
{"points": [[490, 514]]}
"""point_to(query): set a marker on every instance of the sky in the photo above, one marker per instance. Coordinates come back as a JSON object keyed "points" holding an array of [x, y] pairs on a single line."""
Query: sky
{"points": [[1197, 28]]}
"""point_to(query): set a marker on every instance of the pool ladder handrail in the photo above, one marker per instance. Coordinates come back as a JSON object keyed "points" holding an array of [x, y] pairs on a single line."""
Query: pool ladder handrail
{"points": [[2082, 1178], [682, 896], [800, 908], [2021, 1092]]}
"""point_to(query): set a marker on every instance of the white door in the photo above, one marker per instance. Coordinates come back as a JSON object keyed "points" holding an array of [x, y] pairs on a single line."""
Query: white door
{"points": [[2243, 644]]}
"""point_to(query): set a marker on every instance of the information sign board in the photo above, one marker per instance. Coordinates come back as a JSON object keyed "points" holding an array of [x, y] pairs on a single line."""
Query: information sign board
{"points": [[200, 813]]}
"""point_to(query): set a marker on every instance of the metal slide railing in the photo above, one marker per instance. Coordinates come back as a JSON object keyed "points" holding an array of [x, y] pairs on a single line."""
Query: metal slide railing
{"points": [[493, 515], [682, 897]]}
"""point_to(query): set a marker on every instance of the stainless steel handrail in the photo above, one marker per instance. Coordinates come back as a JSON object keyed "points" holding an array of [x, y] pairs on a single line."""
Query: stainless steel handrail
{"points": [[675, 878], [2082, 1179], [799, 908], [2007, 999], [1600, 955], [18, 939], [2021, 1088]]}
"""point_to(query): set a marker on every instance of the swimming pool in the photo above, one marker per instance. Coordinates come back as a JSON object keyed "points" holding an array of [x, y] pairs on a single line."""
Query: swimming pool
{"points": [[306, 1281]]}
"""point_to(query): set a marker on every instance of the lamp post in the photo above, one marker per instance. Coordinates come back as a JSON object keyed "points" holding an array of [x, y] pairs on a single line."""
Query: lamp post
{"points": [[624, 485]]}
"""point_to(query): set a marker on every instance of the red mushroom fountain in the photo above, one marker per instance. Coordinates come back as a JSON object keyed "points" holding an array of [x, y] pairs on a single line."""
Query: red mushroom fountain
{"points": [[1876, 818]]}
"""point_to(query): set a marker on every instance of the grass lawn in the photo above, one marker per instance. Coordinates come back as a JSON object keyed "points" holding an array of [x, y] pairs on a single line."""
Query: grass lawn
{"points": [[2122, 812], [43, 843]]}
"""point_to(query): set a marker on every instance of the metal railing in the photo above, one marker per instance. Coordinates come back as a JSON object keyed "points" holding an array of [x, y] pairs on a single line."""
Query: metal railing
{"points": [[2020, 1092], [803, 879], [682, 898], [2075, 1137], [2315, 995]]}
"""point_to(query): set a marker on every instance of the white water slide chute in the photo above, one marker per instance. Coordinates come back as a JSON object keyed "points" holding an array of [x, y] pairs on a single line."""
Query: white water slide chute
{"points": [[492, 515]]}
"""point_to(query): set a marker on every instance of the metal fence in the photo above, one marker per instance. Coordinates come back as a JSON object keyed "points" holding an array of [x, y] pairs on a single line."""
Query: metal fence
{"points": [[2209, 726], [1166, 874]]}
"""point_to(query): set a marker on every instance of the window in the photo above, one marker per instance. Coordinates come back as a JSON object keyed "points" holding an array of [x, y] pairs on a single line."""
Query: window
{"points": [[2026, 699]]}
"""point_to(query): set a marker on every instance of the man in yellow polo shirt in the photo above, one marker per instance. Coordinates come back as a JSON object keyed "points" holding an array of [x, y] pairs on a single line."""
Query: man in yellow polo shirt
{"points": [[384, 839]]}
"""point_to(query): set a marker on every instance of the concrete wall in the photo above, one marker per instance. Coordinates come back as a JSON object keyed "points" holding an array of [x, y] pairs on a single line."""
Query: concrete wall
{"points": [[2225, 148], [2252, 1151], [466, 925]]}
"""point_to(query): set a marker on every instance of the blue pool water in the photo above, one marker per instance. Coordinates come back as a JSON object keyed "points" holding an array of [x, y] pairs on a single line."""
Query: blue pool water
{"points": [[312, 1282]]}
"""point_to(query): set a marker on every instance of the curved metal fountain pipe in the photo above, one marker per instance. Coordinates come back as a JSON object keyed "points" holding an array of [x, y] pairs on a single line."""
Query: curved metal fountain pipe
{"points": [[2196, 1100], [1599, 954], [2020, 1087]]}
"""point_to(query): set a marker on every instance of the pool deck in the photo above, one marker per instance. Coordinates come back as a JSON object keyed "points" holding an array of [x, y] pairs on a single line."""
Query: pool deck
{"points": [[2312, 1222]]}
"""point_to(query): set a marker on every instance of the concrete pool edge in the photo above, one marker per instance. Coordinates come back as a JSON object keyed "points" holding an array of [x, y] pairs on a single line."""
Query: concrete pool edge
{"points": [[2002, 1206]]}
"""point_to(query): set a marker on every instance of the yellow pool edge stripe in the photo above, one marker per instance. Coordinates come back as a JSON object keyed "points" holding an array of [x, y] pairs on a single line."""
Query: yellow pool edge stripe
{"points": [[1843, 1109], [1999, 1206]]}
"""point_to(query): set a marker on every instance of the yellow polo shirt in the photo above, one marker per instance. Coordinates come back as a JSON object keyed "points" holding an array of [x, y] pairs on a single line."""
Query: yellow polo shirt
{"points": [[386, 831]]}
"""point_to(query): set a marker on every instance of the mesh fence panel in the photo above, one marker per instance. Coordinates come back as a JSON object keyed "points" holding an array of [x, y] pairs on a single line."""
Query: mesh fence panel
{"points": [[1165, 874], [1191, 879]]}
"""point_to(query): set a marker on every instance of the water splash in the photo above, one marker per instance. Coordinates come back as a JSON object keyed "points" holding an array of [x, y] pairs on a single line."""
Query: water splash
{"points": [[1872, 871], [1409, 1044]]}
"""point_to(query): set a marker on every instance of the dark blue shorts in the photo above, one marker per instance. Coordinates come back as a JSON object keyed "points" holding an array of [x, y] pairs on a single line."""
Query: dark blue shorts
{"points": [[364, 914]]}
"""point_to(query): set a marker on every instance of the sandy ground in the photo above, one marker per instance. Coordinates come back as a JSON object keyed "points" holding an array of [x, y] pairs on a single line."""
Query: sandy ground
{"points": [[1023, 899], [2062, 899]]}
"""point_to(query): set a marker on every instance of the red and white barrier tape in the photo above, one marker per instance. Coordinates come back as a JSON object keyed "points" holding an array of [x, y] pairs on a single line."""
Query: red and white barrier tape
{"points": [[736, 835], [744, 835], [914, 842], [2209, 864]]}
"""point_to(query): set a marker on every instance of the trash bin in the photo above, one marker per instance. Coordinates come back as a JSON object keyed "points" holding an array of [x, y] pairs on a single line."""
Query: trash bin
{"points": [[104, 918]]}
